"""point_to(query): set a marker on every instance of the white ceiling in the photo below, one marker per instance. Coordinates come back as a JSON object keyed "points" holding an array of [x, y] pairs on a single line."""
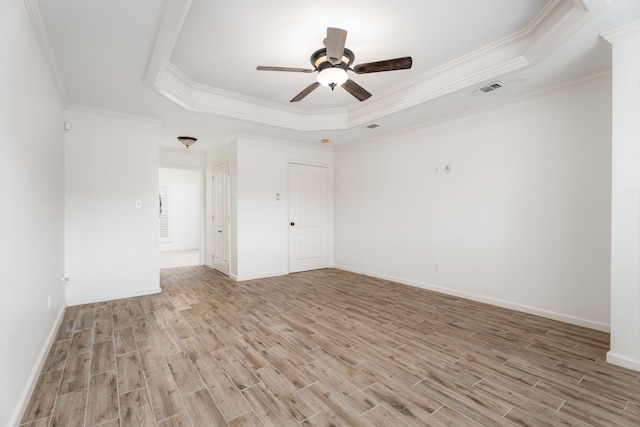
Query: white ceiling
{"points": [[192, 63], [216, 35]]}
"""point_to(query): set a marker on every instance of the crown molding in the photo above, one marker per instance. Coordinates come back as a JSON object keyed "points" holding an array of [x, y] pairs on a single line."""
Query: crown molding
{"points": [[549, 90], [448, 80], [178, 87], [622, 33], [280, 141], [556, 22], [173, 17], [565, 19], [117, 114], [42, 34]]}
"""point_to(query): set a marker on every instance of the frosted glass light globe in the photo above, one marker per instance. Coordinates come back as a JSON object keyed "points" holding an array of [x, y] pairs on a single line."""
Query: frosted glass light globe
{"points": [[332, 75]]}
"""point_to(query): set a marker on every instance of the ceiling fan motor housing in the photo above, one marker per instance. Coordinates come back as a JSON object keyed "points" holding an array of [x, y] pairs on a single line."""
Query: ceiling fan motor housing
{"points": [[320, 61], [331, 74]]}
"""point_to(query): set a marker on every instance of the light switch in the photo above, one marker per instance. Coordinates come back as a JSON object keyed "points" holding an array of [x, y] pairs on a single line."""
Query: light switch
{"points": [[138, 204]]}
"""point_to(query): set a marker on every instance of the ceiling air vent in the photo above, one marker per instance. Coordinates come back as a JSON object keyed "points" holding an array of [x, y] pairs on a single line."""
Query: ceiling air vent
{"points": [[488, 88], [372, 126]]}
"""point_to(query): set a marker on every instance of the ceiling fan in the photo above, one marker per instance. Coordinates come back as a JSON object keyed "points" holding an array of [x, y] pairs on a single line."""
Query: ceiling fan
{"points": [[332, 63]]}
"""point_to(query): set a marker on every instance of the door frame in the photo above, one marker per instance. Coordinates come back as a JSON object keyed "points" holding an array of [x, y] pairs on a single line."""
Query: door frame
{"points": [[210, 220], [203, 204], [330, 223]]}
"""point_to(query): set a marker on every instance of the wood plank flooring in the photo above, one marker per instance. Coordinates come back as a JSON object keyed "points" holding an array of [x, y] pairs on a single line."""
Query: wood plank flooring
{"points": [[322, 348]]}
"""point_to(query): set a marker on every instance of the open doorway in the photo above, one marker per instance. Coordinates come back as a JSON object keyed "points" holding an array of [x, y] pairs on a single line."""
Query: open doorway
{"points": [[181, 217]]}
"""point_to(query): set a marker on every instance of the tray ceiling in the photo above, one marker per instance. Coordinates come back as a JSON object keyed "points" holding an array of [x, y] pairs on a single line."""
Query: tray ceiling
{"points": [[192, 63]]}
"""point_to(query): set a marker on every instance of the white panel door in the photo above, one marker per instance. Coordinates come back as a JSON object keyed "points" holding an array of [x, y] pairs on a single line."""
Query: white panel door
{"points": [[221, 215], [308, 217]]}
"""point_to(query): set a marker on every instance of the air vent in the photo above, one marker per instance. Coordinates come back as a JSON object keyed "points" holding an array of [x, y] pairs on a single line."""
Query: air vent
{"points": [[372, 126], [488, 88]]}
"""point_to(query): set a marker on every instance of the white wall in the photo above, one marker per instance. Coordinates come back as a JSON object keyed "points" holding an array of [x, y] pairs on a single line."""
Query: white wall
{"points": [[32, 219], [263, 223], [625, 204], [521, 221], [182, 158], [185, 208], [259, 223], [111, 246]]}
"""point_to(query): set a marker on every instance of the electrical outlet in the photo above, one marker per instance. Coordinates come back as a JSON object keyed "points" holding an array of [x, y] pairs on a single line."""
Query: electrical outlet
{"points": [[49, 302], [436, 266]]}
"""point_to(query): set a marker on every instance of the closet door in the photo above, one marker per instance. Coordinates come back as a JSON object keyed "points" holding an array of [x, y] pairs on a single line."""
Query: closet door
{"points": [[308, 217]]}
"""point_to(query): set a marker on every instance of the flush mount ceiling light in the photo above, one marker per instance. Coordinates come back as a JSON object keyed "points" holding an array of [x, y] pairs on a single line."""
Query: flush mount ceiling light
{"points": [[187, 141]]}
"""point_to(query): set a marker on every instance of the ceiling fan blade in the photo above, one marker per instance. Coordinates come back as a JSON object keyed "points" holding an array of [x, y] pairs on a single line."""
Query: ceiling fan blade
{"points": [[293, 70], [335, 41], [356, 90], [388, 65], [305, 92]]}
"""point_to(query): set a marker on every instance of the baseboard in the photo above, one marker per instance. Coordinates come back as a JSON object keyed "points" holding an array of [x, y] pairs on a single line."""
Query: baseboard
{"points": [[109, 297], [37, 368], [625, 362], [604, 327]]}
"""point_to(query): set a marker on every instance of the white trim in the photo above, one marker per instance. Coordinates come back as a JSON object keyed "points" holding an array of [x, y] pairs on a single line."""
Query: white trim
{"points": [[261, 276], [604, 327], [622, 33], [280, 141], [39, 27], [557, 20], [625, 362], [113, 296], [218, 145], [117, 114], [192, 96], [32, 380], [230, 220], [499, 104], [173, 17]]}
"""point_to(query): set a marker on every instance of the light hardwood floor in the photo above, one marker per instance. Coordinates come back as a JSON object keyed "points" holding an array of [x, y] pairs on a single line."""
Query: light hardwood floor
{"points": [[322, 348]]}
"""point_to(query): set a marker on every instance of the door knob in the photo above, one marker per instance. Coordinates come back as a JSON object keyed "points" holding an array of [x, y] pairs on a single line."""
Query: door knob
{"points": [[293, 223]]}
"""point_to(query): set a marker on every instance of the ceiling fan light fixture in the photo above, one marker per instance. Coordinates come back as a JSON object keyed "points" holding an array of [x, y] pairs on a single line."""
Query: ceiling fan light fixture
{"points": [[332, 77], [332, 63]]}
